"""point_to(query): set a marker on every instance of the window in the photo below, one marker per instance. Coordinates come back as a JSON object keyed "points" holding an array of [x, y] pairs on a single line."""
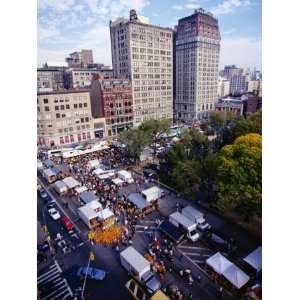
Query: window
{"points": [[62, 107], [79, 136], [81, 120], [84, 104], [88, 135], [46, 101], [47, 108], [83, 136], [67, 106], [72, 138], [38, 109], [86, 119], [57, 116], [56, 108], [61, 140], [80, 105], [66, 139], [75, 105], [63, 115]]}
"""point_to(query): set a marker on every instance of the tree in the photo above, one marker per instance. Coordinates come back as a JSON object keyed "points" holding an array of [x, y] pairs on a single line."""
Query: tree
{"points": [[219, 119], [135, 141], [239, 176], [155, 129]]}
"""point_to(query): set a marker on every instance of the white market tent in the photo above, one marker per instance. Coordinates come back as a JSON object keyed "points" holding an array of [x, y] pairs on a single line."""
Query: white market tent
{"points": [[92, 164], [218, 263], [117, 181], [71, 182], [105, 214], [152, 193], [60, 187], [138, 200], [48, 173], [106, 175], [88, 197], [40, 165], [236, 276], [125, 175], [98, 171], [80, 189], [254, 259]]}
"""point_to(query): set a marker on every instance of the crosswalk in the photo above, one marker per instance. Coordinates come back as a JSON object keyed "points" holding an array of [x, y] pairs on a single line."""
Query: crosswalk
{"points": [[197, 254], [51, 284]]}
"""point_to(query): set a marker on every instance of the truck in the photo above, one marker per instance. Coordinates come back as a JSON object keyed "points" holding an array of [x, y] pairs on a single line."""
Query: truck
{"points": [[196, 216], [175, 234], [153, 193], [140, 269], [125, 176], [181, 221]]}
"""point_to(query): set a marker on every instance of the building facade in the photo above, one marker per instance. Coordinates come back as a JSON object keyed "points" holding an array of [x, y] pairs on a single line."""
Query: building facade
{"points": [[64, 117], [238, 84], [197, 65], [229, 104], [82, 77], [80, 59], [230, 71], [143, 53], [116, 96], [223, 87], [50, 78]]}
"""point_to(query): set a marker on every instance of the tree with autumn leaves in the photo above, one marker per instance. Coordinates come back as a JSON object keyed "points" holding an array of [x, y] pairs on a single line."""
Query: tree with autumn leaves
{"points": [[239, 176]]}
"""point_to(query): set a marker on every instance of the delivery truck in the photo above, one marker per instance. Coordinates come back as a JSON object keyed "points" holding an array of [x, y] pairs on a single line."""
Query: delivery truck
{"points": [[181, 221], [197, 217], [172, 232], [140, 269]]}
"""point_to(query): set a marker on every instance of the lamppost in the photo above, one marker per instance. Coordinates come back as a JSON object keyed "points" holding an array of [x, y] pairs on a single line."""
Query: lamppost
{"points": [[91, 257]]}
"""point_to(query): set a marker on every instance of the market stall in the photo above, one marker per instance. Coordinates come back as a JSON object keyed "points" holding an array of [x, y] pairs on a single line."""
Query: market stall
{"points": [[60, 187], [93, 164], [142, 205], [107, 218], [80, 189], [49, 175], [236, 276], [254, 259], [70, 182], [125, 176], [87, 197], [218, 263], [117, 181]]}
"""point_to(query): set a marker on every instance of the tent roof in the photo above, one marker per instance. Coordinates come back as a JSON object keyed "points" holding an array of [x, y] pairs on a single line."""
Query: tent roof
{"points": [[48, 163], [88, 196], [117, 181], [98, 171], [125, 173], [219, 263], [236, 276], [60, 184], [138, 200], [254, 259], [88, 212], [49, 172], [81, 189], [136, 259], [105, 213], [71, 182]]}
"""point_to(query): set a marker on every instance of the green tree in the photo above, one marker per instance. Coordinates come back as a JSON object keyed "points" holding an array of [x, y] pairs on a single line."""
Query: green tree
{"points": [[239, 176], [135, 141], [154, 129]]}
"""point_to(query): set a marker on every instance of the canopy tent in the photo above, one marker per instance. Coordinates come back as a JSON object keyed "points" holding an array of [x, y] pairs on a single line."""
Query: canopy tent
{"points": [[254, 259], [106, 175], [138, 200], [60, 186], [80, 189], [117, 181], [39, 165], [48, 173], [48, 163], [88, 197], [71, 182], [218, 263], [105, 214], [236, 276], [58, 169], [98, 171], [93, 164], [95, 205]]}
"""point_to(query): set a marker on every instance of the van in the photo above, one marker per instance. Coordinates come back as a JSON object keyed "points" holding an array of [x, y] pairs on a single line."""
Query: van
{"points": [[197, 217]]}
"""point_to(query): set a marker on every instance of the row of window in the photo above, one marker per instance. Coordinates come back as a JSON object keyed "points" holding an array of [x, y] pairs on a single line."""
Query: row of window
{"points": [[70, 139]]}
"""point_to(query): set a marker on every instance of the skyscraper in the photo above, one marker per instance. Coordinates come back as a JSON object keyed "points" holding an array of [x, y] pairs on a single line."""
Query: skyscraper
{"points": [[197, 64], [143, 53]]}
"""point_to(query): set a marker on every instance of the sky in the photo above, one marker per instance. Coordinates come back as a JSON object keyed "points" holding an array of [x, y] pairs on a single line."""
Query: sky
{"points": [[65, 26]]}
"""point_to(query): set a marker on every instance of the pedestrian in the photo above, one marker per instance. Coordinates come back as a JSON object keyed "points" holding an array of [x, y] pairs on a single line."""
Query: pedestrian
{"points": [[220, 293]]}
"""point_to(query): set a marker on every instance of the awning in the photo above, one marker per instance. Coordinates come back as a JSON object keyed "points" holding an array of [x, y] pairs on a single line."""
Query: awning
{"points": [[117, 181], [71, 182], [138, 200], [88, 197], [254, 259], [236, 276], [218, 263], [81, 189]]}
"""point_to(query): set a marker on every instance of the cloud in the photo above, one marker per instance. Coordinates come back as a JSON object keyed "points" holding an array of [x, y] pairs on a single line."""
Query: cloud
{"points": [[229, 6], [192, 4], [243, 52], [229, 31], [45, 34], [58, 5]]}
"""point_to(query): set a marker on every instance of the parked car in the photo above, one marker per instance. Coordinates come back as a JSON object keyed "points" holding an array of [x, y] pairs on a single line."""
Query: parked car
{"points": [[150, 173], [91, 273], [67, 224], [216, 242], [54, 214], [43, 193]]}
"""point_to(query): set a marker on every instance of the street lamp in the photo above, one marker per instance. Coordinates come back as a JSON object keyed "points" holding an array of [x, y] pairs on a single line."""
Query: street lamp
{"points": [[91, 257]]}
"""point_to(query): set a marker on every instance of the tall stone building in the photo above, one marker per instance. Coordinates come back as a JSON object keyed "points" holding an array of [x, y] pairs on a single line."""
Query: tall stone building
{"points": [[143, 53], [80, 59], [197, 64]]}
